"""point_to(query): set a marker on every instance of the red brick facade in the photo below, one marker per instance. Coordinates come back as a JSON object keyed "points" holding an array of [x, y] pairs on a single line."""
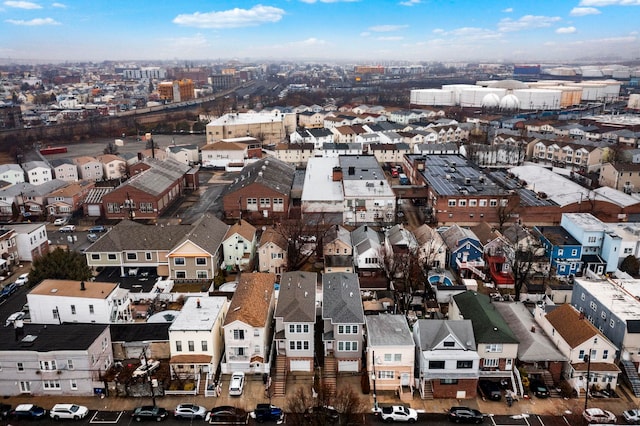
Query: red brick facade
{"points": [[246, 203], [143, 205], [469, 386]]}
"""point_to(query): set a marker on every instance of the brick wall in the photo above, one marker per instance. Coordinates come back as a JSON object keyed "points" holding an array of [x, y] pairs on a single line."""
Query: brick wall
{"points": [[470, 386]]}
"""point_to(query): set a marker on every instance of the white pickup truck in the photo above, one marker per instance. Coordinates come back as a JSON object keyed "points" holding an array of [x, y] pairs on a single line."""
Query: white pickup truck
{"points": [[398, 413]]}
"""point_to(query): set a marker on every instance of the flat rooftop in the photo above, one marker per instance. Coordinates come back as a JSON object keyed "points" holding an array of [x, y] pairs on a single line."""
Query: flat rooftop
{"points": [[68, 288], [199, 313], [619, 297]]}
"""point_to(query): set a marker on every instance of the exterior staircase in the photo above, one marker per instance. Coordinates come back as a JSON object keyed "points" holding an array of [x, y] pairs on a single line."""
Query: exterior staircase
{"points": [[280, 378], [631, 375], [202, 384], [548, 382], [329, 374], [427, 392]]}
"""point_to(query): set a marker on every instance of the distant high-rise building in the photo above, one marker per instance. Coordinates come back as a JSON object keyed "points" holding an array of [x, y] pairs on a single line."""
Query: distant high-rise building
{"points": [[10, 117], [177, 91]]}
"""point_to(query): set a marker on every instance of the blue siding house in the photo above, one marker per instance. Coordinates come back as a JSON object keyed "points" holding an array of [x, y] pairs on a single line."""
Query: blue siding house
{"points": [[464, 251], [600, 245], [564, 251]]}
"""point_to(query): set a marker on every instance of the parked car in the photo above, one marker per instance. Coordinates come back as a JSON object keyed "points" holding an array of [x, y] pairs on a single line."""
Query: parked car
{"points": [[322, 415], [28, 411], [150, 366], [539, 389], [98, 228], [490, 390], [632, 416], [92, 237], [236, 385], [190, 411], [598, 415], [398, 413], [68, 228], [22, 279], [16, 316], [61, 221], [268, 413], [5, 411], [225, 415], [68, 411], [8, 290], [149, 412], [465, 415]]}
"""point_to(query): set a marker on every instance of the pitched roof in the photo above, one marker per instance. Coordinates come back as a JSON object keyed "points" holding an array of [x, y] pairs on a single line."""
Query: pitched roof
{"points": [[252, 299], [52, 337], [208, 233], [223, 146], [158, 178], [297, 297], [341, 301], [243, 228], [269, 235], [388, 330], [432, 332], [130, 236], [573, 328], [488, 325], [454, 234], [270, 172]]}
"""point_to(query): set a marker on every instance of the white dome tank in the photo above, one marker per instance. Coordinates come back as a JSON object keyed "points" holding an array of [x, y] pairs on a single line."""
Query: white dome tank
{"points": [[509, 102], [491, 100]]}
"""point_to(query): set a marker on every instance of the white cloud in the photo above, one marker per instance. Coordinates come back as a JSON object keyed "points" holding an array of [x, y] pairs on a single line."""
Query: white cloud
{"points": [[197, 41], [390, 38], [610, 3], [526, 22], [328, 1], [386, 28], [365, 34], [438, 31], [583, 11], [59, 5], [232, 18], [566, 30], [507, 10], [312, 41], [410, 3], [33, 22], [22, 4]]}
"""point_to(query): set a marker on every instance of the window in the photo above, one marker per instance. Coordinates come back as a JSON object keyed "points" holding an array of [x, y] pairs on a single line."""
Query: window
{"points": [[95, 256], [201, 260], [111, 256], [347, 346], [592, 239], [581, 354], [51, 384], [191, 346], [113, 208], [436, 365], [493, 203], [452, 203], [490, 362], [256, 332], [70, 364], [146, 207], [202, 274], [204, 345], [612, 323], [605, 354], [73, 384], [56, 315], [265, 202], [483, 203], [132, 256], [593, 306], [252, 201], [494, 347], [178, 346], [48, 365], [386, 375], [148, 255], [298, 345], [20, 366], [462, 203], [473, 203], [582, 297], [238, 334], [181, 275], [397, 357], [448, 381], [347, 329], [603, 315], [298, 328], [464, 364], [448, 344], [73, 309], [91, 310], [178, 261], [574, 252]]}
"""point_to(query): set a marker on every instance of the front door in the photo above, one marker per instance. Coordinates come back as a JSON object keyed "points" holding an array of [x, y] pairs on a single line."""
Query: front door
{"points": [[405, 379], [509, 364]]}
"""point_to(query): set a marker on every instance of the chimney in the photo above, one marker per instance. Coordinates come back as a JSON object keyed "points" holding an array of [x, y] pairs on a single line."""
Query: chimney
{"points": [[337, 174], [198, 304], [82, 287]]}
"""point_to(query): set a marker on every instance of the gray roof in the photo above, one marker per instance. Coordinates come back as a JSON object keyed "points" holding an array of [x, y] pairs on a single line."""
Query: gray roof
{"points": [[362, 236], [60, 161], [128, 235], [270, 172], [7, 167], [338, 232], [140, 331], [488, 325], [52, 337], [319, 133], [29, 189], [297, 298], [207, 232], [454, 234], [341, 301], [388, 330], [432, 332], [159, 177], [34, 164]]}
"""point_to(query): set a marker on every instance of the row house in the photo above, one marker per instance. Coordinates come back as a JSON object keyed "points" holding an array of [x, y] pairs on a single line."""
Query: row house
{"points": [[562, 249], [27, 199], [347, 134], [68, 199], [180, 252], [223, 153], [496, 344], [11, 173], [311, 119], [294, 153], [318, 137], [263, 190], [239, 246], [332, 121], [408, 116], [38, 172], [436, 149], [248, 325], [8, 251], [601, 248], [65, 169], [449, 134], [447, 359], [341, 149], [591, 356], [114, 167], [272, 252], [465, 251], [196, 338], [574, 130], [621, 176], [295, 321], [59, 359], [337, 250], [573, 153], [389, 153], [343, 323], [147, 194], [61, 301], [89, 168], [31, 238], [496, 155]]}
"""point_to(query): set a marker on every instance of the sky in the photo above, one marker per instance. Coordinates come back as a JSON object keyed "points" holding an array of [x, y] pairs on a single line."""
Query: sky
{"points": [[355, 31]]}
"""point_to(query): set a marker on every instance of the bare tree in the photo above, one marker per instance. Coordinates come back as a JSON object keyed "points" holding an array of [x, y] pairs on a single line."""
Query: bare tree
{"points": [[507, 208], [525, 253], [309, 406], [111, 148], [302, 239]]}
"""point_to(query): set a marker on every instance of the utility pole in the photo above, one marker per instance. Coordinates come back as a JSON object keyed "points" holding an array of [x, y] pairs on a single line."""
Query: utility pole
{"points": [[586, 394], [147, 376], [373, 376]]}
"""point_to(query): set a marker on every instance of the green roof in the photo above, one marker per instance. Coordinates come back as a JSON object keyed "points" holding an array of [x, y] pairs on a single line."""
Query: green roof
{"points": [[488, 325]]}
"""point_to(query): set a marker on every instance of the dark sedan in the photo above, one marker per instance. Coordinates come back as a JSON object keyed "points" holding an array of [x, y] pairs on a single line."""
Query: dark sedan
{"points": [[149, 412], [28, 411], [465, 415]]}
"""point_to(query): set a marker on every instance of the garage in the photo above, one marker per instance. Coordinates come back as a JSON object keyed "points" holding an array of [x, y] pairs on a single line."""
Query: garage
{"points": [[348, 365], [93, 210], [300, 365]]}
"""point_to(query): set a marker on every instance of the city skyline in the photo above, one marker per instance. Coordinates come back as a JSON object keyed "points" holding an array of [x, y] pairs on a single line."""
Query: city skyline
{"points": [[365, 31]]}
